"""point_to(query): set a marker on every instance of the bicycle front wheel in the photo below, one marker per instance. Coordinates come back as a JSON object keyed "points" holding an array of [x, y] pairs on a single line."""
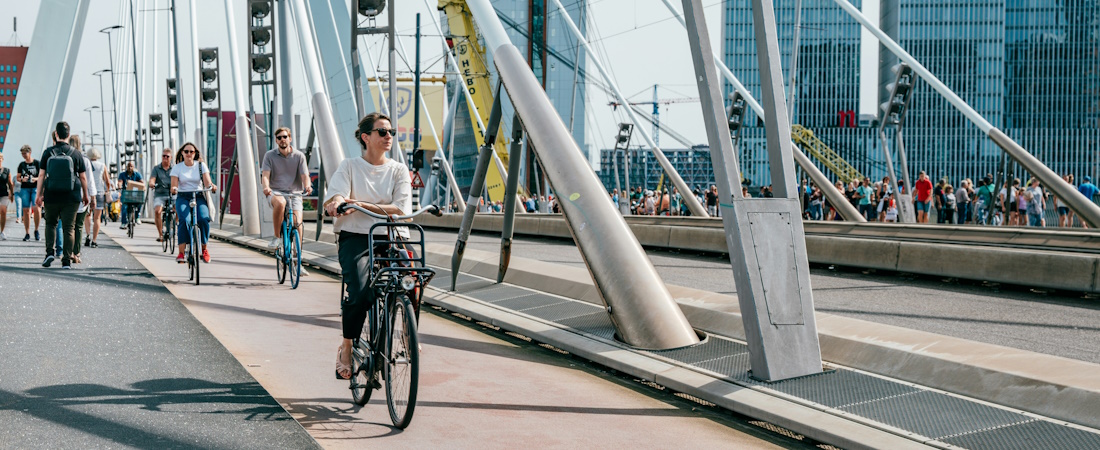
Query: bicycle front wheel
{"points": [[280, 264], [196, 249], [131, 217], [294, 258], [165, 244], [402, 362]]}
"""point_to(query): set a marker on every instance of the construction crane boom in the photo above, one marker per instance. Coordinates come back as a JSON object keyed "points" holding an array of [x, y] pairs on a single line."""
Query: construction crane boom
{"points": [[475, 75]]}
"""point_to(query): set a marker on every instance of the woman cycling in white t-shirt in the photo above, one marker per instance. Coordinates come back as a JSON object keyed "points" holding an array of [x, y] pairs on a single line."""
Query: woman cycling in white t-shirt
{"points": [[188, 175], [376, 183]]}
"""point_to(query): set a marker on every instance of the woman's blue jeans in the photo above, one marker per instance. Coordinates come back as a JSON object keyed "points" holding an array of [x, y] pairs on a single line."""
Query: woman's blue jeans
{"points": [[183, 211]]}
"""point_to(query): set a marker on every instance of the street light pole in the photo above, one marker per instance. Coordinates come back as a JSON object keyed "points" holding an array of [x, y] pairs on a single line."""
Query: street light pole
{"points": [[102, 119], [114, 95], [91, 124], [137, 91]]}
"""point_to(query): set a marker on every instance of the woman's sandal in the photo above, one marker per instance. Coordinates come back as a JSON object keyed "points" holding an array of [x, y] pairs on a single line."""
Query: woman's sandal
{"points": [[341, 366]]}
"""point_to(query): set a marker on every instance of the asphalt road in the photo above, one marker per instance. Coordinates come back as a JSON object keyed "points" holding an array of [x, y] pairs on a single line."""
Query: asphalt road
{"points": [[1061, 324], [103, 356]]}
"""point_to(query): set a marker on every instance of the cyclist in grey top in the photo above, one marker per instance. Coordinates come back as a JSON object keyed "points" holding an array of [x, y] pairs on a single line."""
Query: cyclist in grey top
{"points": [[284, 171], [161, 182]]}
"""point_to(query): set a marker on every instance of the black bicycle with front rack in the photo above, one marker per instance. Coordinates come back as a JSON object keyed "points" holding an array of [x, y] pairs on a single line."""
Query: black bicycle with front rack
{"points": [[389, 344]]}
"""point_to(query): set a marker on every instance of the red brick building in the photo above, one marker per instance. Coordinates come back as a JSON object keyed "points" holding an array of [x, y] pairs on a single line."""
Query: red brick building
{"points": [[11, 74]]}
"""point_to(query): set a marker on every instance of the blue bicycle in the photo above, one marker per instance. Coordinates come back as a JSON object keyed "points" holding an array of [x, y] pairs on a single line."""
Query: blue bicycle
{"points": [[288, 256]]}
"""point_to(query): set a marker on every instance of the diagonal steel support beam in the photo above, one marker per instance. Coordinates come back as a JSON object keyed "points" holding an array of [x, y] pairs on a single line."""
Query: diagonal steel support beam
{"points": [[640, 306], [476, 186]]}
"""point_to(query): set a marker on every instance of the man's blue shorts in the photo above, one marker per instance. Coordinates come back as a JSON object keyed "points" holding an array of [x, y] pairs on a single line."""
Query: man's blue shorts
{"points": [[923, 206]]}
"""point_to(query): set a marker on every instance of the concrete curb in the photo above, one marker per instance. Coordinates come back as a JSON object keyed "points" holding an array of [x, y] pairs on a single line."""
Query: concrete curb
{"points": [[1056, 387]]}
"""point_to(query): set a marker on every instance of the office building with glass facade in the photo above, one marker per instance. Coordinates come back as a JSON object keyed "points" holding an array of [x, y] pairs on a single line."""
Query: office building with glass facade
{"points": [[693, 165], [11, 73], [1030, 67]]}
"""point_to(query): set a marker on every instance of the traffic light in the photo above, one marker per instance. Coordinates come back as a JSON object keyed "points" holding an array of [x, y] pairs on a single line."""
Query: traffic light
{"points": [[418, 159], [437, 165], [211, 86], [735, 114], [371, 8], [901, 90], [155, 126], [173, 103], [622, 140], [262, 32]]}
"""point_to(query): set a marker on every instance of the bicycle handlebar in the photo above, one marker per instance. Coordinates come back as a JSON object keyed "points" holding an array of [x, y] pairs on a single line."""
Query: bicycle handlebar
{"points": [[287, 194], [344, 207]]}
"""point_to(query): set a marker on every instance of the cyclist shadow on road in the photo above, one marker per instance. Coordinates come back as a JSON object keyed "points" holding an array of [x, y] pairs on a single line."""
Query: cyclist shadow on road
{"points": [[249, 400]]}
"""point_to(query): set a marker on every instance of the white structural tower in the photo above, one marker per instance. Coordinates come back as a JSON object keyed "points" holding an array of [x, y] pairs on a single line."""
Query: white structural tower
{"points": [[246, 164]]}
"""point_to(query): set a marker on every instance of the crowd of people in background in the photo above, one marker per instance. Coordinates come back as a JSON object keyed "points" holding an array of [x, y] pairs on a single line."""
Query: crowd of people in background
{"points": [[1014, 203]]}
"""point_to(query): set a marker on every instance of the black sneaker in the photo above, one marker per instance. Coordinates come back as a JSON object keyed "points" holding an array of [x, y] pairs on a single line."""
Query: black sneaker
{"points": [[27, 237], [49, 260], [66, 266], [94, 245], [87, 242], [36, 236]]}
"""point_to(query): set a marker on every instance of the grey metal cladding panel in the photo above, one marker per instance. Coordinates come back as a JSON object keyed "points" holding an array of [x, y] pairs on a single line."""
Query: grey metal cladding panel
{"points": [[597, 323], [564, 310], [841, 388], [935, 415], [713, 348], [529, 301], [773, 242], [1028, 435]]}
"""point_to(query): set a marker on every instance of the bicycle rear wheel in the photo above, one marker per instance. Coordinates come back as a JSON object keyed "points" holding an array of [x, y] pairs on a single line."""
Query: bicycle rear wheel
{"points": [[362, 362], [402, 363], [294, 258]]}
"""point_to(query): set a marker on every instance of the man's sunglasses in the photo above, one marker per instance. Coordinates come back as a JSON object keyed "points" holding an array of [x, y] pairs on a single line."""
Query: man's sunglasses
{"points": [[282, 137], [165, 156], [382, 131]]}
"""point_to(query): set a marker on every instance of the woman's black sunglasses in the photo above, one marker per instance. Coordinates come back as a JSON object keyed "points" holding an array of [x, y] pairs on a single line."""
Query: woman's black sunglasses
{"points": [[382, 131]]}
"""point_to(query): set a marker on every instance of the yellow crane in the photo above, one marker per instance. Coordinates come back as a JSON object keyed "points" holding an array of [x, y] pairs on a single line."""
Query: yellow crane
{"points": [[806, 139], [475, 75]]}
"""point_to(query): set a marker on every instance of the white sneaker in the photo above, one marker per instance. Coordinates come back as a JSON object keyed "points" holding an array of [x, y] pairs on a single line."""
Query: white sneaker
{"points": [[122, 227], [275, 243], [2, 236], [138, 222]]}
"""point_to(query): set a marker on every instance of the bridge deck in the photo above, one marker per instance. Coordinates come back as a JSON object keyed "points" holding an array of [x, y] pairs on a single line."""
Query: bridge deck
{"points": [[925, 415], [476, 389]]}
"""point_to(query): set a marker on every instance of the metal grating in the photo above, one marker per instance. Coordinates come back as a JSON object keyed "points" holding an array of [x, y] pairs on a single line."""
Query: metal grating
{"points": [[714, 347], [563, 310], [935, 415], [952, 420], [501, 292], [842, 388], [1029, 436], [470, 284], [597, 324], [529, 301]]}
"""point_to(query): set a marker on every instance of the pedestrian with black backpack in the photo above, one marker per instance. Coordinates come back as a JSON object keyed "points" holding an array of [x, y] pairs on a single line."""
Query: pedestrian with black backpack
{"points": [[62, 187]]}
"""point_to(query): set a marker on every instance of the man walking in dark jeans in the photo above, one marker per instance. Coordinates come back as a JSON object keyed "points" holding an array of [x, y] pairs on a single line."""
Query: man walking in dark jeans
{"points": [[62, 186]]}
